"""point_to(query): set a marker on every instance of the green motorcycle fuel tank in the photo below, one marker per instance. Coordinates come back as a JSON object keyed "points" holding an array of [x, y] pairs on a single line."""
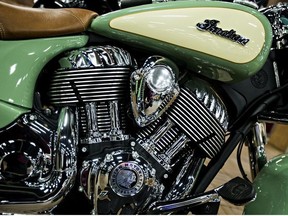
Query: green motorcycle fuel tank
{"points": [[222, 41]]}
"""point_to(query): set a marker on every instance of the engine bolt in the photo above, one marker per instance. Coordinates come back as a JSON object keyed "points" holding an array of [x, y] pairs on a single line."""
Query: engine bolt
{"points": [[137, 77], [132, 143], [84, 149], [109, 157], [85, 164], [135, 155], [165, 176], [47, 111], [32, 117], [81, 189]]}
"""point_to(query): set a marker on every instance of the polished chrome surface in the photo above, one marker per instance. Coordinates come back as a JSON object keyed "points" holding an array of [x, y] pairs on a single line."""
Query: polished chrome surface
{"points": [[164, 143], [177, 146], [127, 179], [103, 119], [116, 132], [96, 56], [153, 89], [91, 74], [277, 14], [88, 85], [116, 178], [103, 122], [189, 202], [160, 79], [44, 171], [161, 131], [257, 148], [125, 166], [96, 79], [186, 178], [276, 73], [209, 97], [197, 122], [93, 134]]}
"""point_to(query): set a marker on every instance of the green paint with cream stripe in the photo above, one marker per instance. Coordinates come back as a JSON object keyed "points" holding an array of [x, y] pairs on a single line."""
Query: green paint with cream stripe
{"points": [[170, 29]]}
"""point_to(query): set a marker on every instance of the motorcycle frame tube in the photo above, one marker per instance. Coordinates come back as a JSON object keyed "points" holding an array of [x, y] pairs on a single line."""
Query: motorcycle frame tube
{"points": [[271, 187], [21, 63], [217, 163], [187, 57]]}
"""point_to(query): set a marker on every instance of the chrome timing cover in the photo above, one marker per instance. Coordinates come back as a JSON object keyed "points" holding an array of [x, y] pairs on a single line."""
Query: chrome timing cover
{"points": [[122, 182]]}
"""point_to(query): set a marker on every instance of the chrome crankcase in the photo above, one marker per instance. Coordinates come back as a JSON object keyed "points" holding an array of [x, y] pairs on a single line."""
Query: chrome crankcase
{"points": [[37, 162], [143, 136]]}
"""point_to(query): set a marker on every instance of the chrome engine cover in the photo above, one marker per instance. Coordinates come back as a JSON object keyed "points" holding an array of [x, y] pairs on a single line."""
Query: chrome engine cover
{"points": [[127, 151], [38, 157], [122, 182], [154, 87]]}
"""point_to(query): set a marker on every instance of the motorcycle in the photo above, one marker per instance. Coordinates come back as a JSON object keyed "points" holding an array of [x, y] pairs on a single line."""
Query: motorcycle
{"points": [[135, 111]]}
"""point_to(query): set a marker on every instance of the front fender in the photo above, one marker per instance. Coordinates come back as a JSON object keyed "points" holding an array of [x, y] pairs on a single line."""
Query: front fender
{"points": [[271, 185]]}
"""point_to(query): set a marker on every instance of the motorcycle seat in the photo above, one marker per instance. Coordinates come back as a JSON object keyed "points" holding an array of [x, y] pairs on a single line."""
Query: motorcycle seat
{"points": [[18, 22]]}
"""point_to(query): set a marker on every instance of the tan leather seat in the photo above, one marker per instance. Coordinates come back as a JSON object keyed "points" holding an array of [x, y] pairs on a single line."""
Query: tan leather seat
{"points": [[17, 22]]}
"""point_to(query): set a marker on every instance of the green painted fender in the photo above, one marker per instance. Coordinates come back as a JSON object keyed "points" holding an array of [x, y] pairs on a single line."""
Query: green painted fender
{"points": [[9, 112], [271, 185], [21, 63]]}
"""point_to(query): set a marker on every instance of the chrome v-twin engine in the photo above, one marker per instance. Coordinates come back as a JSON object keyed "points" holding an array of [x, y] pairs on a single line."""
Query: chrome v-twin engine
{"points": [[142, 137]]}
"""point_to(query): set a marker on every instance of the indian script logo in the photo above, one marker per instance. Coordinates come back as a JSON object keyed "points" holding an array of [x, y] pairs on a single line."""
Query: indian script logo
{"points": [[211, 26]]}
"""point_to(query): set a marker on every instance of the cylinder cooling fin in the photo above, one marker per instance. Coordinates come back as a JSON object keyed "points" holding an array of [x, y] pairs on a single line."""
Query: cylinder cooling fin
{"points": [[95, 80], [197, 122], [198, 117], [91, 74]]}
